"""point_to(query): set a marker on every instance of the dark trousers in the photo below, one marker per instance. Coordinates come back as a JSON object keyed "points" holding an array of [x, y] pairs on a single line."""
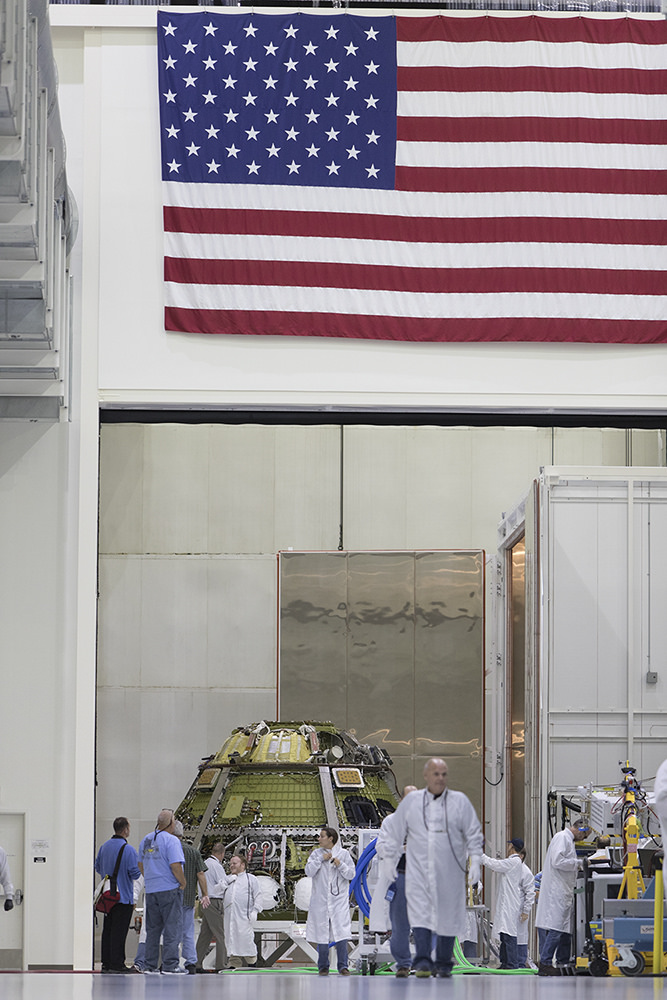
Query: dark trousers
{"points": [[323, 955], [114, 932], [444, 951], [508, 951], [557, 943], [399, 942]]}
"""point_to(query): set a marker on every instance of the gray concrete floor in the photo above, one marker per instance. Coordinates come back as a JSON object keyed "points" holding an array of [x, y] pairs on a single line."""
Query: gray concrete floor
{"points": [[289, 985]]}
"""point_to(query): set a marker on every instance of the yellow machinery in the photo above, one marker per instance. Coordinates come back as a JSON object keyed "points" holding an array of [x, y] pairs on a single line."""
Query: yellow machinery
{"points": [[629, 940], [638, 932]]}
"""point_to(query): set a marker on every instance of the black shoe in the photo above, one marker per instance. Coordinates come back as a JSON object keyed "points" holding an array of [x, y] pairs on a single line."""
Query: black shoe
{"points": [[546, 970], [443, 974], [190, 969]]}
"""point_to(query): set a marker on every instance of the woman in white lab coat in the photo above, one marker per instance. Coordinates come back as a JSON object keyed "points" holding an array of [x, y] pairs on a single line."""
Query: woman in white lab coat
{"points": [[331, 868], [242, 902], [508, 902]]}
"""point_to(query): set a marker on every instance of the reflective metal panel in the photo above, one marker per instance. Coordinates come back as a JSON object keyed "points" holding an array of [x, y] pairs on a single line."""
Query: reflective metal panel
{"points": [[449, 651], [313, 636], [389, 645], [380, 694]]}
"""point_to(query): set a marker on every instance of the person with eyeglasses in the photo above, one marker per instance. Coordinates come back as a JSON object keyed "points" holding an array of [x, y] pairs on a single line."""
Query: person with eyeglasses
{"points": [[161, 862], [555, 905]]}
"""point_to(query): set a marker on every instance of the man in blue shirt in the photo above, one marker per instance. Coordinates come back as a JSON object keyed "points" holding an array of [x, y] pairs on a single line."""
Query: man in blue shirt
{"points": [[117, 920], [161, 862]]}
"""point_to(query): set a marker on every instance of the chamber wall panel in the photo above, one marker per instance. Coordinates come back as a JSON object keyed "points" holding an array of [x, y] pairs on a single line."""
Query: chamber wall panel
{"points": [[241, 601], [121, 489], [119, 626], [174, 601], [175, 489], [242, 488], [307, 488]]}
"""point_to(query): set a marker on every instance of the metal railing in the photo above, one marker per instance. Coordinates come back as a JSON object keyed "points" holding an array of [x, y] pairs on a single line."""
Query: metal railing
{"points": [[575, 6]]}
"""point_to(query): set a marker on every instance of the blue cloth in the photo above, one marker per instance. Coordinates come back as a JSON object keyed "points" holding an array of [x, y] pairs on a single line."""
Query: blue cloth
{"points": [[252, 127], [558, 943], [522, 955], [164, 916], [105, 862], [508, 951], [157, 852], [323, 955], [399, 942], [444, 950]]}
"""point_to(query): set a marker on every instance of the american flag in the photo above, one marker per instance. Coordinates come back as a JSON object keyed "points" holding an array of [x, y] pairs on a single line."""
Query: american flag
{"points": [[415, 178]]}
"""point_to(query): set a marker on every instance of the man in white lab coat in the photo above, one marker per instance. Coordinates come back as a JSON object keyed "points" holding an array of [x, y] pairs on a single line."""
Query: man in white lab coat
{"points": [[242, 903], [442, 832], [332, 869], [508, 902], [556, 901], [660, 805]]}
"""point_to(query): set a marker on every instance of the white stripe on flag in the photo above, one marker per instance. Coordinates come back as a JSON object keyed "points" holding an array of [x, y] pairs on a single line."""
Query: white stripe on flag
{"points": [[424, 305], [391, 253], [531, 104], [573, 155], [531, 53], [418, 204]]}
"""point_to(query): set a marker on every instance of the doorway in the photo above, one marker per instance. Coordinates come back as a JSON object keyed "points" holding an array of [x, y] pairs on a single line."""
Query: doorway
{"points": [[12, 833]]}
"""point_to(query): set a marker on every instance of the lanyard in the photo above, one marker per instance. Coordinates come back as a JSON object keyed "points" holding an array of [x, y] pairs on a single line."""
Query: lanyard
{"points": [[425, 812]]}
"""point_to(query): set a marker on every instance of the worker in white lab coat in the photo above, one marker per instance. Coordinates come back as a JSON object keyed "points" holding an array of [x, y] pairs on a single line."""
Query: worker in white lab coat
{"points": [[527, 901], [331, 868], [241, 903], [660, 805], [508, 901], [442, 832], [556, 901]]}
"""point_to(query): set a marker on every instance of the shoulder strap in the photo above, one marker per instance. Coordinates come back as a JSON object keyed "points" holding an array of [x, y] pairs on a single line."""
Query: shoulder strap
{"points": [[114, 876]]}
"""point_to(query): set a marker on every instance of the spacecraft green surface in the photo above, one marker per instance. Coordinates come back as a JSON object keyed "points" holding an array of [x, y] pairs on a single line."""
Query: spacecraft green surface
{"points": [[270, 788]]}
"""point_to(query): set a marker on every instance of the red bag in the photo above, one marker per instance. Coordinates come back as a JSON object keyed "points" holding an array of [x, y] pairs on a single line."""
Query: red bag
{"points": [[107, 901]]}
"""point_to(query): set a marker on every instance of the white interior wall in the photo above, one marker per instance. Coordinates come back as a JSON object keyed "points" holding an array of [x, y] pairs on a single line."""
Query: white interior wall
{"points": [[106, 58], [47, 735]]}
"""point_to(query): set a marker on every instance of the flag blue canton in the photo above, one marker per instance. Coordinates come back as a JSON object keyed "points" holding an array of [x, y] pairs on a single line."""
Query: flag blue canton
{"points": [[267, 99]]}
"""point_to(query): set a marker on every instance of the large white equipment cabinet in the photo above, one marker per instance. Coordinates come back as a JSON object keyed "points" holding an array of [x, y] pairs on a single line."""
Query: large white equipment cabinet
{"points": [[577, 664]]}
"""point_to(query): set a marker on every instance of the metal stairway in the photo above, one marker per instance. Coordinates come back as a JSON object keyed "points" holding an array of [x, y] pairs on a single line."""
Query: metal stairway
{"points": [[37, 221]]}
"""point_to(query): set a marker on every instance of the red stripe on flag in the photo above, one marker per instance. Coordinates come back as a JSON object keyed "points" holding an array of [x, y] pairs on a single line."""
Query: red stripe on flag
{"points": [[586, 130], [212, 321], [537, 79], [515, 229], [555, 179], [606, 31], [591, 281]]}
